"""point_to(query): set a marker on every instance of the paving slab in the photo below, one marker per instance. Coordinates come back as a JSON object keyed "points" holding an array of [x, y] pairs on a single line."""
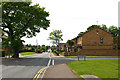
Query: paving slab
{"points": [[59, 71], [90, 77]]}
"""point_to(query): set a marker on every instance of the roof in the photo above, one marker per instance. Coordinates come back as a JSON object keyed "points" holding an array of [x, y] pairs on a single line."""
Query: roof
{"points": [[62, 43], [93, 29]]}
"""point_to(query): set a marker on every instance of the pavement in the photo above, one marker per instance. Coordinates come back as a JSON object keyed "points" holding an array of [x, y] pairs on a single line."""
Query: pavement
{"points": [[59, 70]]}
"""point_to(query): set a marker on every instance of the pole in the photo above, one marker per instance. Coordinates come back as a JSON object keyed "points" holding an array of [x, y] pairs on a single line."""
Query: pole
{"points": [[9, 49]]}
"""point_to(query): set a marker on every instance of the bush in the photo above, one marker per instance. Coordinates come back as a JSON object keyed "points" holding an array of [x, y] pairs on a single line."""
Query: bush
{"points": [[32, 49], [38, 50]]}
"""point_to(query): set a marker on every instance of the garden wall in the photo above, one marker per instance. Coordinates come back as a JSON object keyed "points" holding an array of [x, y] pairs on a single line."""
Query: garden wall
{"points": [[96, 52]]}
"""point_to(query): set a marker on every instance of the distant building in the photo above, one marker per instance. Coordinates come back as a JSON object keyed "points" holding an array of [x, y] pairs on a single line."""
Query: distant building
{"points": [[3, 46], [61, 46]]}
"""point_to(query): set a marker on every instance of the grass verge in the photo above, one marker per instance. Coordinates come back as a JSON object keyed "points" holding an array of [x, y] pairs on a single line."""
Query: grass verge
{"points": [[101, 68], [28, 53]]}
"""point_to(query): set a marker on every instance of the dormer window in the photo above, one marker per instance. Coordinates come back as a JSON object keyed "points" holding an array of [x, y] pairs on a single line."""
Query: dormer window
{"points": [[101, 40]]}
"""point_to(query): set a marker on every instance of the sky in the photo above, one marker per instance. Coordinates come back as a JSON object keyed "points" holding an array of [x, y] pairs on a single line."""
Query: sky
{"points": [[74, 16]]}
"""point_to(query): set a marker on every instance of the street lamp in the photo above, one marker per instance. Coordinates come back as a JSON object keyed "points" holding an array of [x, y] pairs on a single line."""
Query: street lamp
{"points": [[9, 48], [0, 46]]}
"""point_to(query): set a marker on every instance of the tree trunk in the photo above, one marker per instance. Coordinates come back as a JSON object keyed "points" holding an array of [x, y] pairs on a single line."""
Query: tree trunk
{"points": [[16, 53], [15, 47]]}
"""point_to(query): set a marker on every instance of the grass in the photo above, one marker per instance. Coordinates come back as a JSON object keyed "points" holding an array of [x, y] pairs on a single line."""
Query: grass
{"points": [[28, 53], [94, 56], [101, 68]]}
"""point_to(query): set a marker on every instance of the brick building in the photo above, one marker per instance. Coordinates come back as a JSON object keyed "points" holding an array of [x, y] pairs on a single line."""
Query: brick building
{"points": [[94, 42], [3, 46], [96, 39]]}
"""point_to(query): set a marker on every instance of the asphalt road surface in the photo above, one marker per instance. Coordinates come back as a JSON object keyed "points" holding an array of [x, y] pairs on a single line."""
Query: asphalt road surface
{"points": [[24, 68]]}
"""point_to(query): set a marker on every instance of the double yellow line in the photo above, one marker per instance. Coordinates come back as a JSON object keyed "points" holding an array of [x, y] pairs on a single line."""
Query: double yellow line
{"points": [[39, 73], [41, 70]]}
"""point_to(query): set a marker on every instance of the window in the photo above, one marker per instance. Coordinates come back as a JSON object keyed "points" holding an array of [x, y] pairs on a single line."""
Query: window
{"points": [[101, 40]]}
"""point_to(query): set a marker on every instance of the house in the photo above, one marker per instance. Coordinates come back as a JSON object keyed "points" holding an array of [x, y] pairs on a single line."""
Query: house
{"points": [[3, 46], [96, 39], [61, 46], [75, 46], [94, 42]]}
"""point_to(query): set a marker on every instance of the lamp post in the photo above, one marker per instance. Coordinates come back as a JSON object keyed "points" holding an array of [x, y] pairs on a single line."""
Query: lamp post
{"points": [[0, 47], [9, 48]]}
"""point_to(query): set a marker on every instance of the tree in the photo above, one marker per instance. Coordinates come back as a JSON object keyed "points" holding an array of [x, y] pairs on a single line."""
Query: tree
{"points": [[104, 27], [81, 33], [70, 43], [55, 37], [43, 48], [47, 47], [21, 19], [113, 30], [92, 27]]}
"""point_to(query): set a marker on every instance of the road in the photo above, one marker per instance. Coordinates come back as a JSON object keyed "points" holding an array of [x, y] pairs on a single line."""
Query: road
{"points": [[24, 68]]}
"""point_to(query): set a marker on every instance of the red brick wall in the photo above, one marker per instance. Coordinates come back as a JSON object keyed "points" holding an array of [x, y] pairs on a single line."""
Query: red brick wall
{"points": [[99, 52], [91, 40]]}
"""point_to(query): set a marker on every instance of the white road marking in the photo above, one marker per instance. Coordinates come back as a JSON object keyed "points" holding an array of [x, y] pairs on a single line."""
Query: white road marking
{"points": [[49, 62], [53, 62]]}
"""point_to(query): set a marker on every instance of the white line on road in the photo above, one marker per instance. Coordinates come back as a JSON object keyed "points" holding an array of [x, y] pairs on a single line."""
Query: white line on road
{"points": [[49, 62], [53, 62]]}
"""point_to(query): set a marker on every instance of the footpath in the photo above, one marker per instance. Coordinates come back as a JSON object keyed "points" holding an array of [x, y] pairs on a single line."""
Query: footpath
{"points": [[61, 71]]}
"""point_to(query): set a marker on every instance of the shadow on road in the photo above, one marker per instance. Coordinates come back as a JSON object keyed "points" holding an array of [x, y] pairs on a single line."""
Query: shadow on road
{"points": [[25, 62], [33, 61]]}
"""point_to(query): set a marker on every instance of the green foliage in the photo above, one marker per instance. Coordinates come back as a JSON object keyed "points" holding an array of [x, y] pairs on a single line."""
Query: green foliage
{"points": [[104, 27], [21, 19], [70, 42], [92, 27], [113, 30], [56, 37], [81, 33], [43, 48], [47, 47], [17, 43], [38, 50]]}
